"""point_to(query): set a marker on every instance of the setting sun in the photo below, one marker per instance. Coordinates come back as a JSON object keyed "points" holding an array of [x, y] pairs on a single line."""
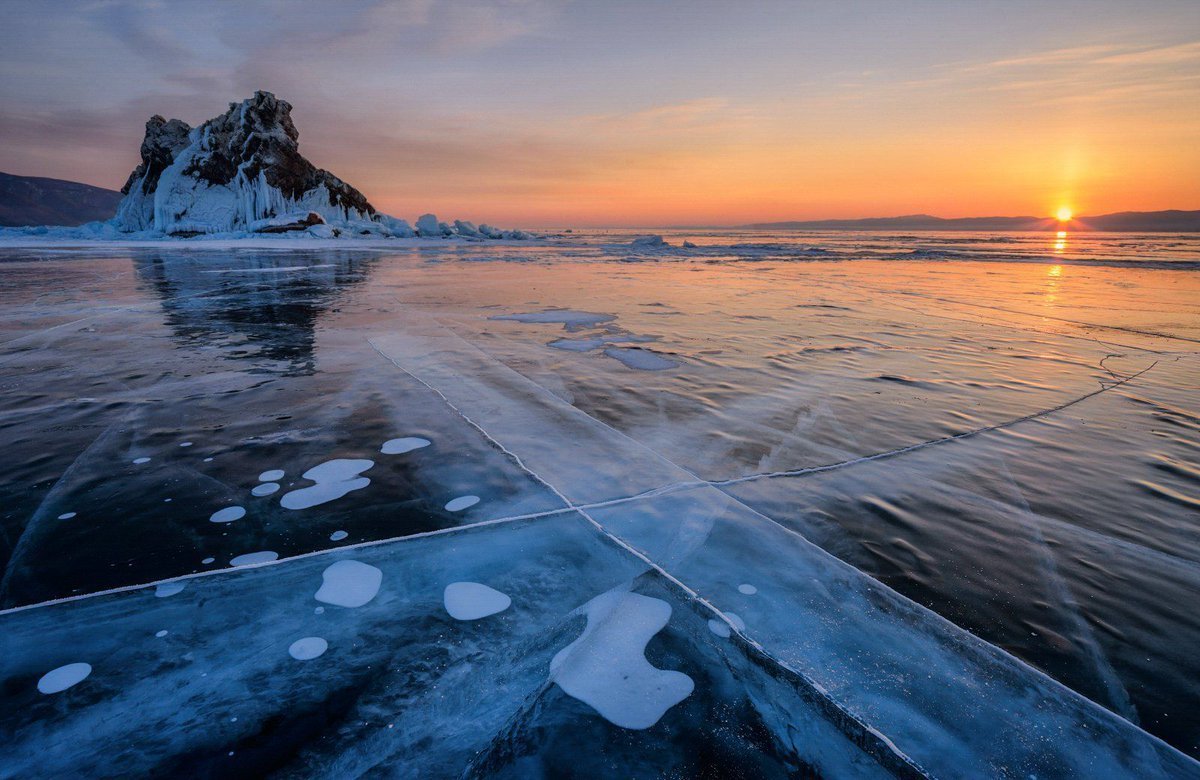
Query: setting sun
{"points": [[1064, 214]]}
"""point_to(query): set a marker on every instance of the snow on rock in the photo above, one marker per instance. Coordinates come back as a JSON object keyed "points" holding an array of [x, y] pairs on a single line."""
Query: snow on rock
{"points": [[334, 478], [308, 648], [349, 584], [58, 680], [606, 667], [472, 600]]}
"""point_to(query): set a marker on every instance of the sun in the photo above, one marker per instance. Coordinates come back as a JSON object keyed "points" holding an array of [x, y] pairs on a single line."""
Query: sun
{"points": [[1064, 214]]}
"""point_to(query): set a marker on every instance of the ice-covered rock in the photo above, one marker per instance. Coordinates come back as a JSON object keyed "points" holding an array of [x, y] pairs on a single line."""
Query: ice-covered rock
{"points": [[285, 223], [230, 173]]}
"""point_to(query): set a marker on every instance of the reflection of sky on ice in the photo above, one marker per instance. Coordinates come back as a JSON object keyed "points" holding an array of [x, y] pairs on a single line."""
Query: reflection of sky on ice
{"points": [[469, 490]]}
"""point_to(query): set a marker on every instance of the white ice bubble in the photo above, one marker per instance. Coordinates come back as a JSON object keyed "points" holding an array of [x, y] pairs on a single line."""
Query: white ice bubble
{"points": [[749, 590], [265, 489], [207, 561], [255, 557], [571, 320], [349, 584], [640, 359], [606, 667], [308, 648], [461, 503], [140, 461], [338, 536], [63, 677], [227, 515], [161, 634], [472, 601], [401, 446], [66, 515], [274, 475], [165, 589], [334, 478]]}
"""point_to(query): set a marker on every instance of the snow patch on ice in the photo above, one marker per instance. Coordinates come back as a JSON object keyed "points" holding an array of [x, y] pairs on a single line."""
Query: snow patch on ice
{"points": [[161, 634], [568, 318], [58, 680], [472, 600], [720, 628], [227, 515], [263, 556], [640, 359], [401, 446], [207, 561], [334, 478], [338, 536], [265, 489], [461, 503], [66, 515], [274, 475], [749, 590], [308, 648], [349, 584], [140, 461], [606, 667]]}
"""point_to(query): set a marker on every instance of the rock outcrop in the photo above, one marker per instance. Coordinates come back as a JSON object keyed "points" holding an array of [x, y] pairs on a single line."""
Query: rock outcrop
{"points": [[240, 171]]}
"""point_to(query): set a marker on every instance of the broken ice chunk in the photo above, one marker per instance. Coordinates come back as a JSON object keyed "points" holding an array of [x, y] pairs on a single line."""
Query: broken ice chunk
{"points": [[308, 648], [472, 601], [349, 584], [63, 677], [401, 446], [334, 478], [606, 667]]}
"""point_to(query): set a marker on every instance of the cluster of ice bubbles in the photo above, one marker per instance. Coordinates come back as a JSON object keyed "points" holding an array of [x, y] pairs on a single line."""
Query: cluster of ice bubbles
{"points": [[605, 667]]}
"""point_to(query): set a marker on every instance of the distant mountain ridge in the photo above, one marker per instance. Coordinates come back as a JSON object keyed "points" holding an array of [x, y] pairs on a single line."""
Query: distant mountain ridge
{"points": [[35, 200], [1171, 221]]}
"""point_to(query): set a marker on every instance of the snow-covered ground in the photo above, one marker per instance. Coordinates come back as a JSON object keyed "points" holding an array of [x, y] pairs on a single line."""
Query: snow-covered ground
{"points": [[587, 505]]}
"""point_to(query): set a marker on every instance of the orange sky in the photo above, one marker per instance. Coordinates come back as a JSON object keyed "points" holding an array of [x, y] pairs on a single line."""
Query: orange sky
{"points": [[549, 114]]}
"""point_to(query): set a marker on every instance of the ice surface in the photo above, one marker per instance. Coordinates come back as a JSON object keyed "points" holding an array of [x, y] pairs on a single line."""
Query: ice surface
{"points": [[349, 584], [472, 600], [62, 678], [334, 478], [606, 666], [401, 446], [851, 440]]}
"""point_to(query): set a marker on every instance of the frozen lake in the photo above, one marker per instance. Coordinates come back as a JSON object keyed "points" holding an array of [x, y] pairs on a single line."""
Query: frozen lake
{"points": [[765, 505]]}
